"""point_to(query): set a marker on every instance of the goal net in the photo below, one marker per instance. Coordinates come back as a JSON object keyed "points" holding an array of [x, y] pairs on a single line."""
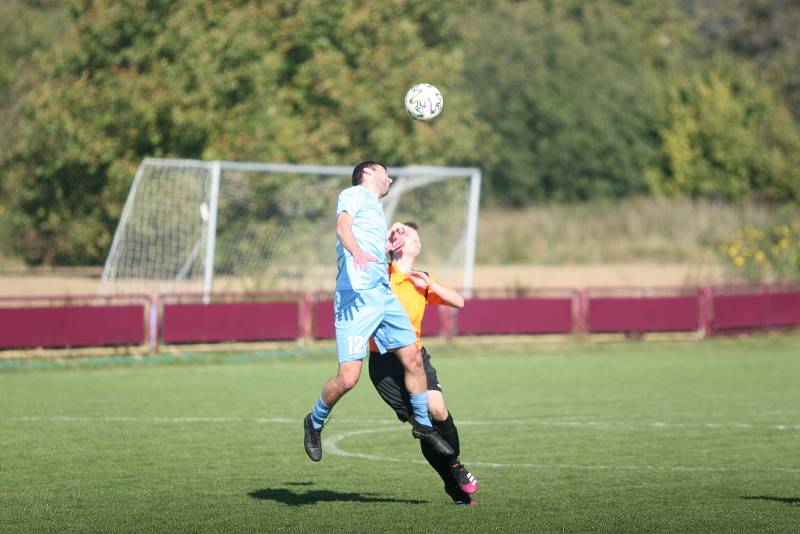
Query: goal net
{"points": [[203, 226]]}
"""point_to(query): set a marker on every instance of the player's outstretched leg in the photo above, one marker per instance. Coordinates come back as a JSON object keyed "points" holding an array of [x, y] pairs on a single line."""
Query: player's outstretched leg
{"points": [[312, 427], [441, 463], [333, 390], [465, 480], [459, 483], [417, 386], [430, 436], [422, 429]]}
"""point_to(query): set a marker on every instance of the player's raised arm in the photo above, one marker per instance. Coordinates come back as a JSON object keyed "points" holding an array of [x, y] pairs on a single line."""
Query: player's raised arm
{"points": [[344, 229], [450, 297]]}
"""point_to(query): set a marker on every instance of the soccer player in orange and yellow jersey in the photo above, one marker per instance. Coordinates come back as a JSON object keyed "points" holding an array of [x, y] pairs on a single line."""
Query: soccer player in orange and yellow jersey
{"points": [[415, 290]]}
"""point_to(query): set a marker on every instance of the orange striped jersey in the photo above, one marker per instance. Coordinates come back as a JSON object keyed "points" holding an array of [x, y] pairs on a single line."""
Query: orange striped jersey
{"points": [[412, 298]]}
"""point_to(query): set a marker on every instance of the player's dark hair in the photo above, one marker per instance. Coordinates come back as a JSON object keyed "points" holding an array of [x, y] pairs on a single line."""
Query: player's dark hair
{"points": [[358, 171]]}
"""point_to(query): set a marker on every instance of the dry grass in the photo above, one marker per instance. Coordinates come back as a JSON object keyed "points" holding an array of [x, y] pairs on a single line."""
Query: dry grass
{"points": [[638, 230], [635, 242]]}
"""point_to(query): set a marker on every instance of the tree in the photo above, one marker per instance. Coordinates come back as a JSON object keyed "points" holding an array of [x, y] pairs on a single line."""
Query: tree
{"points": [[27, 27], [762, 32], [275, 80], [727, 136], [565, 89]]}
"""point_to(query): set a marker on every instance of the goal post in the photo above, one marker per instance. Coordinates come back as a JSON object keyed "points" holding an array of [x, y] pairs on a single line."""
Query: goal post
{"points": [[201, 226]]}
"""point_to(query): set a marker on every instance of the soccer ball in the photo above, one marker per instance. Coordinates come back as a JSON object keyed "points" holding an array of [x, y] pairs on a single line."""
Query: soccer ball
{"points": [[424, 102]]}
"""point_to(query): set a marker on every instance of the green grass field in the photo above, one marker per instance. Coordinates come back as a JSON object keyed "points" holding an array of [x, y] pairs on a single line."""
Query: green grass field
{"points": [[639, 436]]}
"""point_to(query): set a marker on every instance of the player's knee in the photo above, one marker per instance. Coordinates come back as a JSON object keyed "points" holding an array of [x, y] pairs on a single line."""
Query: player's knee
{"points": [[439, 413], [415, 365], [347, 381], [436, 405], [413, 362]]}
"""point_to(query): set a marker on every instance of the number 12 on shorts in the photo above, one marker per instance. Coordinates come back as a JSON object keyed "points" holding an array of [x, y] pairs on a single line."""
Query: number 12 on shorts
{"points": [[355, 344]]}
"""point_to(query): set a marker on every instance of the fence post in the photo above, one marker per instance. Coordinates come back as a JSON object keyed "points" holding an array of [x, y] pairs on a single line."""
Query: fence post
{"points": [[580, 320], [446, 322], [152, 323], [706, 312], [307, 316]]}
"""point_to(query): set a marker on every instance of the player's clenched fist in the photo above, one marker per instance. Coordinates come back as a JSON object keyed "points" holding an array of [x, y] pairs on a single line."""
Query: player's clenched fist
{"points": [[397, 237]]}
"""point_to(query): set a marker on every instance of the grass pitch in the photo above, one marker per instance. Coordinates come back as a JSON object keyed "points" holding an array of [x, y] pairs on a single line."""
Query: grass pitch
{"points": [[654, 436]]}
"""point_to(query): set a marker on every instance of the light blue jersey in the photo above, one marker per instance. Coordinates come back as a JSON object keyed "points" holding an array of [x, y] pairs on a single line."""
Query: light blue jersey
{"points": [[369, 229], [364, 304]]}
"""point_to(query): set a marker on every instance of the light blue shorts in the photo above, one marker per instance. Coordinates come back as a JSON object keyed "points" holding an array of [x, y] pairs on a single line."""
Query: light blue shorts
{"points": [[361, 313]]}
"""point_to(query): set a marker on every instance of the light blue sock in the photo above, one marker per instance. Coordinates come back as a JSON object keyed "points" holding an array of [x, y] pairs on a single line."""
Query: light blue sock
{"points": [[319, 414], [419, 402]]}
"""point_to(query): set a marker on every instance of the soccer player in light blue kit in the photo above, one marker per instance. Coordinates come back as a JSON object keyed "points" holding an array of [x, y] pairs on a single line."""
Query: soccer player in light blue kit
{"points": [[364, 306]]}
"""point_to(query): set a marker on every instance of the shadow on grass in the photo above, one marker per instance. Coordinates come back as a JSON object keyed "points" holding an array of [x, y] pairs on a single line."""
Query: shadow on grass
{"points": [[786, 500], [292, 498]]}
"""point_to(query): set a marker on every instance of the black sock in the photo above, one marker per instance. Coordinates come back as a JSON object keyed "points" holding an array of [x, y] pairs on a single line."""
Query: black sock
{"points": [[438, 462], [447, 429], [441, 463]]}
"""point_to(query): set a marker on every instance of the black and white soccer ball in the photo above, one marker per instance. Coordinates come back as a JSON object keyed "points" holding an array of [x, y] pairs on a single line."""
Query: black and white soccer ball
{"points": [[424, 102]]}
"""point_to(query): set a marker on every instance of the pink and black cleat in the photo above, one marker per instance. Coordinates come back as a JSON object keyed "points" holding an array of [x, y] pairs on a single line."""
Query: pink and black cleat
{"points": [[459, 497], [466, 481]]}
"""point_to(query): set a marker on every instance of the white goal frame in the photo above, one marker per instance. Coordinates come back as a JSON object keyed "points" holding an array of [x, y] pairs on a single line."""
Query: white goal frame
{"points": [[405, 179]]}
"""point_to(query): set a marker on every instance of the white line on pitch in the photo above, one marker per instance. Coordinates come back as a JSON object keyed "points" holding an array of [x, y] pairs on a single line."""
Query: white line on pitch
{"points": [[124, 419], [332, 443], [567, 423], [331, 446]]}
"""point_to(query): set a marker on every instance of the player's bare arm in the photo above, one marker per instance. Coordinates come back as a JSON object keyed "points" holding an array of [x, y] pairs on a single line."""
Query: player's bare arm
{"points": [[344, 229], [451, 297]]}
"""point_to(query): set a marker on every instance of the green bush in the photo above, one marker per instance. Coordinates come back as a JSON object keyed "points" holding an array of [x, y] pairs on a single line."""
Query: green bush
{"points": [[727, 136], [564, 88]]}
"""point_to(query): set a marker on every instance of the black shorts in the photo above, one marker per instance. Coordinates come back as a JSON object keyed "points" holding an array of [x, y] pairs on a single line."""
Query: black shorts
{"points": [[388, 377]]}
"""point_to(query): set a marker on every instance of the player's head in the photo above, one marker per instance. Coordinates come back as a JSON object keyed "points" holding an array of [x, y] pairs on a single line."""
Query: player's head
{"points": [[412, 245], [373, 176]]}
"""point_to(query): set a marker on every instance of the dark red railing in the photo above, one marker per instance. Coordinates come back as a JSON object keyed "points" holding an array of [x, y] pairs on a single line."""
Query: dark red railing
{"points": [[254, 316], [738, 308], [88, 320], [517, 315], [639, 310], [73, 321]]}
